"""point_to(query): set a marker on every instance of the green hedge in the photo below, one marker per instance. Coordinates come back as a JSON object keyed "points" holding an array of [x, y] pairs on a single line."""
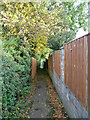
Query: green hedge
{"points": [[16, 66]]}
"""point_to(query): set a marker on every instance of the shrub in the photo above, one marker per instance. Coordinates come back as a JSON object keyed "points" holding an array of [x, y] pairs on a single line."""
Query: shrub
{"points": [[16, 66]]}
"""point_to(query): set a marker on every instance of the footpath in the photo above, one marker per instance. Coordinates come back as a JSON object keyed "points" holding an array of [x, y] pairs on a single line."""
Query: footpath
{"points": [[42, 101]]}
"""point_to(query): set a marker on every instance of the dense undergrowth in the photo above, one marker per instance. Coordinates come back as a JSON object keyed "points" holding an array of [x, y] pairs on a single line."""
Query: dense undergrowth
{"points": [[16, 66]]}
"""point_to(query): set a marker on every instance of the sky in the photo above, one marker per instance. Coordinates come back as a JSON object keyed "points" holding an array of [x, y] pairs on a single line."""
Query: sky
{"points": [[81, 32]]}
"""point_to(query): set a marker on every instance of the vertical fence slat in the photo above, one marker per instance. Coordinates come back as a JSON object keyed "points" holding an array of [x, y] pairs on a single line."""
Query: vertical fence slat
{"points": [[81, 61], [73, 81], [88, 74], [34, 65], [84, 75], [65, 63], [69, 67], [75, 67], [59, 58], [77, 80]]}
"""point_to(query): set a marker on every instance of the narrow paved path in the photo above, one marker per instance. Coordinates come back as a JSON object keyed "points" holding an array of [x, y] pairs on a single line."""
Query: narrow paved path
{"points": [[40, 107], [45, 98], [42, 101]]}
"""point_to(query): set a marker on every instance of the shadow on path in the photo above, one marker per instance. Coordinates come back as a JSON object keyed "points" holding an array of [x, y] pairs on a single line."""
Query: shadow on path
{"points": [[46, 103], [40, 107]]}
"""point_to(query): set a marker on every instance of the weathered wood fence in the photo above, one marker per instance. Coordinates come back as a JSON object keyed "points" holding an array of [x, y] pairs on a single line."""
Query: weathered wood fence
{"points": [[75, 69], [33, 68]]}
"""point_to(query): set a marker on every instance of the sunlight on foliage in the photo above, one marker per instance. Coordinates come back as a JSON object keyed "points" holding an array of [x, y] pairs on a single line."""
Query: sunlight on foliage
{"points": [[33, 29]]}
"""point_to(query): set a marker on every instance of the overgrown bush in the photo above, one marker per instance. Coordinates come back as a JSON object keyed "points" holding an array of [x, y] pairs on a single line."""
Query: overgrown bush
{"points": [[16, 66]]}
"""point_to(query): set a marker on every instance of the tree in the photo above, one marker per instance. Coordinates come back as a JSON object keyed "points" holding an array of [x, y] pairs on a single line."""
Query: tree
{"points": [[68, 18], [24, 20]]}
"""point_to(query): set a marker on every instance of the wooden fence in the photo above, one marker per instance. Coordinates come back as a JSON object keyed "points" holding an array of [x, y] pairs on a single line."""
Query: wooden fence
{"points": [[57, 60], [34, 66], [76, 70], [50, 63], [76, 63]]}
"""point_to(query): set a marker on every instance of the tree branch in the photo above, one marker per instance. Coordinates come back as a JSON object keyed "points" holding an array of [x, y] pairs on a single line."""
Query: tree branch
{"points": [[23, 36]]}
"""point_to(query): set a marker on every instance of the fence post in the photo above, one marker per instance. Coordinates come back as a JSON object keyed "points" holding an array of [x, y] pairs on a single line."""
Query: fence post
{"points": [[88, 45], [65, 63], [33, 70], [88, 60]]}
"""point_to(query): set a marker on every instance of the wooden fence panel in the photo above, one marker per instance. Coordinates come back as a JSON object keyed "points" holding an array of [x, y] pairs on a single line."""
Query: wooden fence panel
{"points": [[57, 60], [50, 62], [34, 66], [75, 66]]}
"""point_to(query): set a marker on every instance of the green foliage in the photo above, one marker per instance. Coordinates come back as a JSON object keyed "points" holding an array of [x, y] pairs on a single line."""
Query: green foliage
{"points": [[68, 17], [40, 22], [11, 84], [25, 90], [59, 39], [15, 73], [27, 20]]}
